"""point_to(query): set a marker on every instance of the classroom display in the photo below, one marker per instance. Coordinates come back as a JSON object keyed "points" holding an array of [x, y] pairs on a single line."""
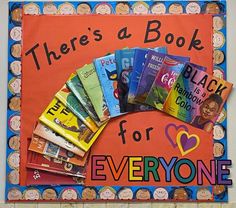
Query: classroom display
{"points": [[117, 101]]}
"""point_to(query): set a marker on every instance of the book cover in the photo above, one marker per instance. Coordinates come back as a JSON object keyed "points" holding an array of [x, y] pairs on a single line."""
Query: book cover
{"points": [[140, 56], [124, 60], [44, 147], [64, 122], [150, 70], [91, 84], [197, 97], [76, 87], [70, 101], [45, 132], [107, 74], [46, 163], [40, 177], [166, 77]]}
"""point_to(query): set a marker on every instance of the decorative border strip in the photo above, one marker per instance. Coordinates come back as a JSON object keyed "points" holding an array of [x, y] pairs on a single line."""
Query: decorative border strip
{"points": [[14, 192]]}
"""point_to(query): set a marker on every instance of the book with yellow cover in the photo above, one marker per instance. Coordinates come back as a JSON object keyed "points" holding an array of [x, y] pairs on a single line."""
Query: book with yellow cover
{"points": [[59, 118], [70, 101]]}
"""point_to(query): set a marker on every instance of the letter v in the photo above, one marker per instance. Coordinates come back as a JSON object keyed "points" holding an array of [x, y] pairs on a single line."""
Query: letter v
{"points": [[117, 172]]}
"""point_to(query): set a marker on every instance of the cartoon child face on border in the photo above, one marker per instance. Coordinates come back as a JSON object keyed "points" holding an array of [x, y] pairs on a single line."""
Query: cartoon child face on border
{"points": [[193, 8], [84, 8], [49, 194], [16, 14], [14, 194], [16, 33], [69, 194], [107, 192], [15, 68], [66, 8], [160, 194], [143, 194], [218, 72], [14, 123], [218, 149], [176, 8], [16, 50], [158, 8], [49, 8], [103, 8], [140, 8], [218, 132], [204, 194], [89, 193], [122, 8], [32, 9], [31, 194], [125, 193]]}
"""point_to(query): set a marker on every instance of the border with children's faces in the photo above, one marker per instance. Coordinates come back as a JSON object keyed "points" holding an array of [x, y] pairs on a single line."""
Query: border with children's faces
{"points": [[14, 191]]}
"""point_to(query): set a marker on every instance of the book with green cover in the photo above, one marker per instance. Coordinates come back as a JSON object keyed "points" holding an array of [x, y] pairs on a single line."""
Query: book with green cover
{"points": [[88, 76], [70, 101], [75, 85]]}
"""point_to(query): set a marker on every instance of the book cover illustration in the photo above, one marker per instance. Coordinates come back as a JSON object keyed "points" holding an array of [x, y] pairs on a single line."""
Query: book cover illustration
{"points": [[44, 147], [166, 77], [46, 163], [125, 60], [150, 70], [76, 87], [197, 97], [140, 57], [40, 177], [45, 132], [107, 74], [64, 122], [70, 101], [91, 84]]}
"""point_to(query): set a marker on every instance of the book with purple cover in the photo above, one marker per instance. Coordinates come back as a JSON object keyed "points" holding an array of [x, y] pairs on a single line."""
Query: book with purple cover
{"points": [[139, 62], [165, 79], [152, 65]]}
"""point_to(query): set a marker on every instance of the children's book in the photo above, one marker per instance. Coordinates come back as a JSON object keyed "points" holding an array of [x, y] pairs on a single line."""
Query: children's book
{"points": [[40, 177], [46, 163], [197, 97], [167, 75], [76, 87], [70, 101], [140, 56], [59, 118], [107, 74], [45, 132], [91, 84], [44, 147], [150, 70], [124, 61]]}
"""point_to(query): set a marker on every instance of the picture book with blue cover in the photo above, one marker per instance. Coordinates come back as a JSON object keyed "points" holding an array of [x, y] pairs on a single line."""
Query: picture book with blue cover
{"points": [[107, 74], [124, 60], [139, 62]]}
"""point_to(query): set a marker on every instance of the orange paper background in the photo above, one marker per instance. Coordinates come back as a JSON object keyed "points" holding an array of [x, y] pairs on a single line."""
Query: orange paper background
{"points": [[39, 86]]}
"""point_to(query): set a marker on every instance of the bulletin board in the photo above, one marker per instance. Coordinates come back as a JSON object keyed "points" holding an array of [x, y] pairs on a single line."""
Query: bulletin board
{"points": [[136, 157]]}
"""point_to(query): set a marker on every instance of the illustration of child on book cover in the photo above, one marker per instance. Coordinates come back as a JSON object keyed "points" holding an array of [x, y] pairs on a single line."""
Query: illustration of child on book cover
{"points": [[197, 97], [208, 111]]}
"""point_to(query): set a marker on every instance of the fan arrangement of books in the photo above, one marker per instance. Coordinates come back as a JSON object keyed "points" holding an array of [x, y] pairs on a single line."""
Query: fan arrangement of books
{"points": [[130, 80]]}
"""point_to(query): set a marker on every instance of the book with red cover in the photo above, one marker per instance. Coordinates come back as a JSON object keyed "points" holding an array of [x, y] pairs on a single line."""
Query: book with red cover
{"points": [[40, 177], [46, 163]]}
